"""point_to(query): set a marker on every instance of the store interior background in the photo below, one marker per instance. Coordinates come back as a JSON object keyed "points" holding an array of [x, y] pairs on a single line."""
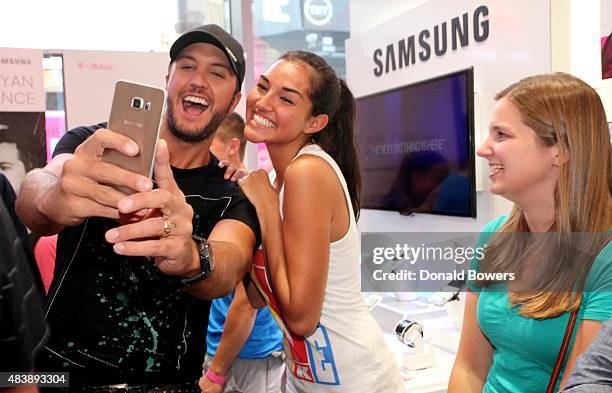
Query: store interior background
{"points": [[123, 34], [130, 40]]}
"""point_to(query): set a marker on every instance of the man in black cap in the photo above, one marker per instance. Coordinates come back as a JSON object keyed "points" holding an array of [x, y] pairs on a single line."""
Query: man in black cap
{"points": [[127, 307]]}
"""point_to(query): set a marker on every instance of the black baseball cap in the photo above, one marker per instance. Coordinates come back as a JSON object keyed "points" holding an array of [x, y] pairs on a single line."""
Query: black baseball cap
{"points": [[215, 35]]}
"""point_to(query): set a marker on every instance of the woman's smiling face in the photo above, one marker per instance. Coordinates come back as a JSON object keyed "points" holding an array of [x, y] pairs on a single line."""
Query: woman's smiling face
{"points": [[279, 108], [519, 165]]}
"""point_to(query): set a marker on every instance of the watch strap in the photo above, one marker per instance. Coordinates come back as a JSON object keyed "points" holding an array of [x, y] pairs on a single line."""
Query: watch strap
{"points": [[206, 262]]}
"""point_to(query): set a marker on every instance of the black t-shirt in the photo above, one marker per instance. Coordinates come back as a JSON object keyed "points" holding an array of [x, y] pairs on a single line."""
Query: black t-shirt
{"points": [[22, 323], [8, 197], [117, 319]]}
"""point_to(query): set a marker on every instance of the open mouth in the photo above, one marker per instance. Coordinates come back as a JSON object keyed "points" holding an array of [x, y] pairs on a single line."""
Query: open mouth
{"points": [[194, 105], [263, 122], [495, 168]]}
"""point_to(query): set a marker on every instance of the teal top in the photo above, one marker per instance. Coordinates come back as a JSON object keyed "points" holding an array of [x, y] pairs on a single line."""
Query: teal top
{"points": [[525, 349]]}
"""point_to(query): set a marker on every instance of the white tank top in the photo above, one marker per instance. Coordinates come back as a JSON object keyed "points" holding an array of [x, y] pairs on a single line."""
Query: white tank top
{"points": [[347, 352]]}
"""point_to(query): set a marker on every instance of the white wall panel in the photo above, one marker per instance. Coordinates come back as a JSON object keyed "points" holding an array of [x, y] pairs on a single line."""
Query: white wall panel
{"points": [[89, 80], [518, 45], [21, 80]]}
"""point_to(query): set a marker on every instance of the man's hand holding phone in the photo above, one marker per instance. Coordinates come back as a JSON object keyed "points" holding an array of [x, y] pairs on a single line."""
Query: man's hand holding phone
{"points": [[166, 231], [109, 165], [82, 189]]}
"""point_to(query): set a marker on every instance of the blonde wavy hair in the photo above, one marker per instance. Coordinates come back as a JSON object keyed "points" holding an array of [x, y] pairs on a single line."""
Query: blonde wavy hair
{"points": [[565, 111]]}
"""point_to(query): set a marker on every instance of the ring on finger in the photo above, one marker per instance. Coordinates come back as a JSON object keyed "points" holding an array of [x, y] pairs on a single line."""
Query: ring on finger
{"points": [[168, 225]]}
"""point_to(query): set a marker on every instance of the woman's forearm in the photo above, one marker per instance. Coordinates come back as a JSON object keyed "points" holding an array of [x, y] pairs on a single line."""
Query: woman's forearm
{"points": [[272, 239], [277, 265]]}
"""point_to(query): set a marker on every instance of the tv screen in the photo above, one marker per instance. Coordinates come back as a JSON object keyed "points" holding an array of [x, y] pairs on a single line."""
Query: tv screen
{"points": [[416, 147]]}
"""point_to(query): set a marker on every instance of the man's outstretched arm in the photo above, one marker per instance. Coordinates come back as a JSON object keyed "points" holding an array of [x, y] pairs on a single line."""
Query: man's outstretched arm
{"points": [[73, 187], [165, 234]]}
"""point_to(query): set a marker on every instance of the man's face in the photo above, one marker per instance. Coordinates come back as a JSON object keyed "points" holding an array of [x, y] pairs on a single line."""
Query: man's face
{"points": [[10, 164], [201, 92]]}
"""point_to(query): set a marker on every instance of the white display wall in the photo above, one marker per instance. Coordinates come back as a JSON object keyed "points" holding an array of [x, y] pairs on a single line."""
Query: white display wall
{"points": [[517, 44], [90, 80], [135, 25], [21, 80]]}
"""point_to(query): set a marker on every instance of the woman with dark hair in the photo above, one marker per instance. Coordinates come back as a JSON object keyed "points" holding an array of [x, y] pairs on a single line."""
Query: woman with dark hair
{"points": [[549, 152], [310, 275]]}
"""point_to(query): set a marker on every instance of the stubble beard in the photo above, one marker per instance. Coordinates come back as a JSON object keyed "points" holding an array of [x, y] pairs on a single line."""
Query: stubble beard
{"points": [[198, 135]]}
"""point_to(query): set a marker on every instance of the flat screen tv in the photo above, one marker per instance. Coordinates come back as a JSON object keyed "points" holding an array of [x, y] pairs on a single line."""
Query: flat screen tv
{"points": [[416, 147]]}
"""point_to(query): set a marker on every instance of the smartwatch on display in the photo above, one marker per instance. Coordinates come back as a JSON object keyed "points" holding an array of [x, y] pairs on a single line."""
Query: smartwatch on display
{"points": [[207, 264], [407, 332]]}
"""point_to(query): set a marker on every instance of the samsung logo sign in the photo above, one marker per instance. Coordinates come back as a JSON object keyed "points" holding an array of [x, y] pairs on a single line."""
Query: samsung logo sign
{"points": [[15, 61], [436, 41]]}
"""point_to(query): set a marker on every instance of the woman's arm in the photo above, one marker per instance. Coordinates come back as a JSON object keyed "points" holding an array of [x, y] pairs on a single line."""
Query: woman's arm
{"points": [[297, 247], [475, 353], [587, 331]]}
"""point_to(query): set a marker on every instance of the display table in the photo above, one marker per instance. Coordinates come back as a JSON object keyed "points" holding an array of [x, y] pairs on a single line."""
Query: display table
{"points": [[438, 329]]}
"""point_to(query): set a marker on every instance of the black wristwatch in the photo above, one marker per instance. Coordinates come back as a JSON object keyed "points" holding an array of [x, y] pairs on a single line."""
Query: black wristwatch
{"points": [[207, 264]]}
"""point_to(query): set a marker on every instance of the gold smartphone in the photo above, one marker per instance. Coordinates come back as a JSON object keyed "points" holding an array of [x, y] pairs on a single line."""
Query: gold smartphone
{"points": [[136, 113]]}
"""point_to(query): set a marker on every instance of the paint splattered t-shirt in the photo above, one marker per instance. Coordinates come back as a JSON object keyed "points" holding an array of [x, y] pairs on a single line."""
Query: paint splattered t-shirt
{"points": [[117, 319]]}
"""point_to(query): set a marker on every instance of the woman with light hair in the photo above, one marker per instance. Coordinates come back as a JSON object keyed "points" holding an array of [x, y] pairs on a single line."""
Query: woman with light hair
{"points": [[548, 150]]}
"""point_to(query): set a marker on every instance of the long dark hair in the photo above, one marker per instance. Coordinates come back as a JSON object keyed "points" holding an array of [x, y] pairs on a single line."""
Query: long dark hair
{"points": [[331, 96]]}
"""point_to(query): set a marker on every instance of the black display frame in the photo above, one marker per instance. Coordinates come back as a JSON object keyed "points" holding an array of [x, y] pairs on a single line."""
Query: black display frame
{"points": [[471, 155]]}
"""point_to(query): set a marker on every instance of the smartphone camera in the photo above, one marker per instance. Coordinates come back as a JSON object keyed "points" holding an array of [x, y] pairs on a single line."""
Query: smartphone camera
{"points": [[137, 103]]}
